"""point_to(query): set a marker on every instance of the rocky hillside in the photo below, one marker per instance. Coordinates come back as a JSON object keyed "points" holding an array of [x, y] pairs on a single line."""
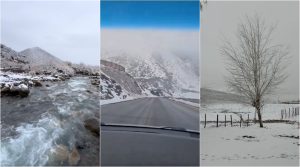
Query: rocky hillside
{"points": [[82, 69], [12, 60], [116, 83], [165, 73], [40, 61]]}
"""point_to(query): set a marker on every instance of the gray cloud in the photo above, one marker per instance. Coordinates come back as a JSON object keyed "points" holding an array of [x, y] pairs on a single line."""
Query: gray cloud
{"points": [[68, 30]]}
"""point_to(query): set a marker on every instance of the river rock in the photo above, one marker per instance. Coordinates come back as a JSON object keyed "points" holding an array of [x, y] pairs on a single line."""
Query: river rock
{"points": [[21, 90], [95, 82], [74, 157], [5, 90], [37, 83], [61, 152], [93, 126], [61, 78]]}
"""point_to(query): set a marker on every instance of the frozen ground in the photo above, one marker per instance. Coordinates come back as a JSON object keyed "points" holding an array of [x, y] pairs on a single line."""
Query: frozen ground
{"points": [[277, 145]]}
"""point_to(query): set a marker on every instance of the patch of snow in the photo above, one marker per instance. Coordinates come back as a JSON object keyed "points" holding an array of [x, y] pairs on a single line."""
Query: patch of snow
{"points": [[186, 102], [250, 146], [118, 99]]}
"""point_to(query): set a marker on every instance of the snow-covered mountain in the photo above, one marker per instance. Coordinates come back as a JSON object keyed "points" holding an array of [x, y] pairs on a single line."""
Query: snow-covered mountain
{"points": [[10, 59], [164, 62], [41, 61], [172, 74]]}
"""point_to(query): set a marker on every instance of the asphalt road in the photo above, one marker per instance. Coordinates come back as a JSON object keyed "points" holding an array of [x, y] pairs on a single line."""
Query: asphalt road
{"points": [[153, 111]]}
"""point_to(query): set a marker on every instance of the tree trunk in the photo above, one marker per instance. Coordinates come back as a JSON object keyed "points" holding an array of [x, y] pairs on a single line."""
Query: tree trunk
{"points": [[259, 117]]}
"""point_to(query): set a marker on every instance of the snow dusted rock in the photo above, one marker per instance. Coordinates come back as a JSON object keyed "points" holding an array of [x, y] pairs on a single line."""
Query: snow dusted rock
{"points": [[95, 82], [19, 90]]}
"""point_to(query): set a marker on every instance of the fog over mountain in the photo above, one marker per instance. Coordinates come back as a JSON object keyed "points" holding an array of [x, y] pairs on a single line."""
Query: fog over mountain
{"points": [[158, 59]]}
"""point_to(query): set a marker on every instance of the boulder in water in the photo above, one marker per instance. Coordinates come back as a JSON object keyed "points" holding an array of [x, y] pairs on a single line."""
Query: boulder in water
{"points": [[37, 83], [21, 90], [93, 126], [61, 152], [5, 90], [74, 157], [95, 82]]}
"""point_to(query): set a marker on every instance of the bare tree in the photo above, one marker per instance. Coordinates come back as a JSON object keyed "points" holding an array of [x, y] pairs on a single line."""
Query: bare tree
{"points": [[255, 65]]}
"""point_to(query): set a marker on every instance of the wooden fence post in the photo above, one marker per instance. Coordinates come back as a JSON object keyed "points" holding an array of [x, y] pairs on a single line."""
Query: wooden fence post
{"points": [[205, 121], [241, 121], [284, 113], [225, 120], [231, 120], [217, 120], [248, 121]]}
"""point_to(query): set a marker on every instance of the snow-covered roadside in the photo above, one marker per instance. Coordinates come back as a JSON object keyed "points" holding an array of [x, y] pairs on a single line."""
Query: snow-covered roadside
{"points": [[186, 102], [276, 144], [119, 99]]}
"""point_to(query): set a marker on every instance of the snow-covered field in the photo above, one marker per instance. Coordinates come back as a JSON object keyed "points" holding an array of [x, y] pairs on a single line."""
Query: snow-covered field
{"points": [[274, 145], [277, 144]]}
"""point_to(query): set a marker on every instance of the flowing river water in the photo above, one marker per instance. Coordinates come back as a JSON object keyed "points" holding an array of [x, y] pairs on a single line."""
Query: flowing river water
{"points": [[47, 127]]}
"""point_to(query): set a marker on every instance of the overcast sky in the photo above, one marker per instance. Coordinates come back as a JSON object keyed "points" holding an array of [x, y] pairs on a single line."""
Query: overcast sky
{"points": [[148, 41], [68, 30], [220, 19]]}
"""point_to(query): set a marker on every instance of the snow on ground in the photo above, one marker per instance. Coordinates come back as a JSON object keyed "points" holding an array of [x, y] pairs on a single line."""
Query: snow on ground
{"points": [[118, 99], [186, 102], [249, 146], [191, 95], [275, 144], [269, 112], [9, 77]]}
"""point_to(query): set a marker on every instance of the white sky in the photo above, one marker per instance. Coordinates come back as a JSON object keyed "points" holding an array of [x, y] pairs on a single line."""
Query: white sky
{"points": [[148, 41], [68, 30], [220, 19]]}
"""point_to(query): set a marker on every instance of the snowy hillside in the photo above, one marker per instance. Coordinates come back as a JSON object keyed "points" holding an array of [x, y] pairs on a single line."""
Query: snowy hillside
{"points": [[41, 61], [209, 96], [12, 59], [165, 71], [164, 62]]}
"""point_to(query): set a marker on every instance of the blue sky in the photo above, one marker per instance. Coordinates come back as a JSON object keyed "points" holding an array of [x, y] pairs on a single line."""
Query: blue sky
{"points": [[150, 14]]}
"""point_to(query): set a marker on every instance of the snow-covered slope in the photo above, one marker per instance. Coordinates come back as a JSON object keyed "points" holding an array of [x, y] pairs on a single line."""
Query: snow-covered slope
{"points": [[163, 61], [10, 59], [41, 61], [213, 96], [172, 74]]}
